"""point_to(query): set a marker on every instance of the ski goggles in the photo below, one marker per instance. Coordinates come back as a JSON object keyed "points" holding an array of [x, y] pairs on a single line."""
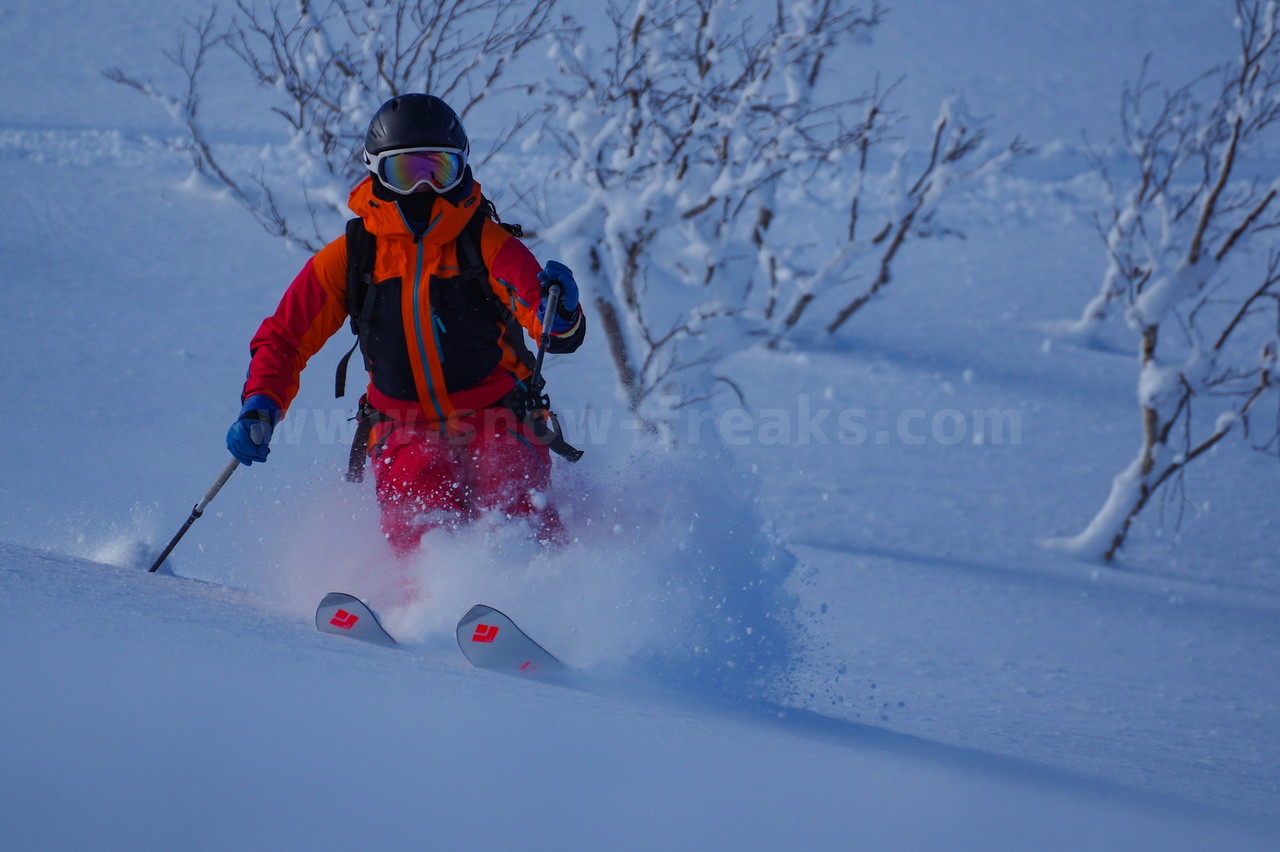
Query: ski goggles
{"points": [[405, 169]]}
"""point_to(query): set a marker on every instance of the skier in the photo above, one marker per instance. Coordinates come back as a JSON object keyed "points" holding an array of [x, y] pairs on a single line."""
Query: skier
{"points": [[443, 414]]}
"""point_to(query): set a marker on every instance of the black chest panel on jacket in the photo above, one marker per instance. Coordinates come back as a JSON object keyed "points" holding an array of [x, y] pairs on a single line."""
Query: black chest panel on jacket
{"points": [[463, 327], [384, 347]]}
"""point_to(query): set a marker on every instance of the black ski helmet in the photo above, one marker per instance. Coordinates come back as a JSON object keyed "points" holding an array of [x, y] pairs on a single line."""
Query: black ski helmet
{"points": [[415, 121]]}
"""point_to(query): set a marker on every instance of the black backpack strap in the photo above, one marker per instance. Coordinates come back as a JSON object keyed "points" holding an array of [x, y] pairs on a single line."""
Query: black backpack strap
{"points": [[529, 404], [534, 410], [546, 428], [471, 265], [361, 253], [366, 418]]}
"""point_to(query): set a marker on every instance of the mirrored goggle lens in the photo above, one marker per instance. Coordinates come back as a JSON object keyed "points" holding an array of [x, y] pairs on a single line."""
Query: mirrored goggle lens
{"points": [[438, 169]]}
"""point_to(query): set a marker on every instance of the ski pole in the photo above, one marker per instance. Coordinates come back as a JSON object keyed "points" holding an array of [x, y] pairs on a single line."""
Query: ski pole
{"points": [[197, 512], [549, 435], [548, 318]]}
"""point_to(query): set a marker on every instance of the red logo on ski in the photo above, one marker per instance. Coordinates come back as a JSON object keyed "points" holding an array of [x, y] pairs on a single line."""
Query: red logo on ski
{"points": [[485, 633], [344, 619]]}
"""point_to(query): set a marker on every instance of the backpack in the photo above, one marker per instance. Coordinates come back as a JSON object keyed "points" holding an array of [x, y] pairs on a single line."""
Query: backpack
{"points": [[526, 401]]}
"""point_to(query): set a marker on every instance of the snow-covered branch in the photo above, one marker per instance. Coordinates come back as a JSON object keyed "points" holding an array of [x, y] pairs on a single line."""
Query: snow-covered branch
{"points": [[956, 139], [1184, 248], [326, 67], [699, 142]]}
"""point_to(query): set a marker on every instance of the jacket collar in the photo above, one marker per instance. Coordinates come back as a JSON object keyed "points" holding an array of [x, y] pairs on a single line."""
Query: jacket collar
{"points": [[384, 219]]}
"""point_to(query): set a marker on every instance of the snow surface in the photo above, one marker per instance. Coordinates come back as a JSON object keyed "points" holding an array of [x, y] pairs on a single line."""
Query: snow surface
{"points": [[908, 668]]}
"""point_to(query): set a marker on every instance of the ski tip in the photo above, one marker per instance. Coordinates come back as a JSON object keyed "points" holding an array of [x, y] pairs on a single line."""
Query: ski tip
{"points": [[337, 598], [491, 640], [346, 615], [477, 612]]}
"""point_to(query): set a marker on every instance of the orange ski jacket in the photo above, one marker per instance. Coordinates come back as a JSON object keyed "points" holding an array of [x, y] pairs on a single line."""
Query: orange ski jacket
{"points": [[437, 350]]}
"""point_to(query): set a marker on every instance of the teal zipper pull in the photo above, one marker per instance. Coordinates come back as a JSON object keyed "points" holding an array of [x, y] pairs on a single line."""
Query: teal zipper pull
{"points": [[437, 330]]}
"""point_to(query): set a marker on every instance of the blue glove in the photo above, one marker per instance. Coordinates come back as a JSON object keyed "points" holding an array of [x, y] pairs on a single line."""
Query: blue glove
{"points": [[248, 437], [556, 272]]}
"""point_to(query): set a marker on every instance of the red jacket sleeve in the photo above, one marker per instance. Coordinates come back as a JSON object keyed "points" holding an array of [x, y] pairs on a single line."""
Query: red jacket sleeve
{"points": [[514, 271], [310, 311]]}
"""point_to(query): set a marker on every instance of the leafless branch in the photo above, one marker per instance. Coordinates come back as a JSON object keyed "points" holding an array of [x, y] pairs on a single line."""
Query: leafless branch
{"points": [[1179, 245]]}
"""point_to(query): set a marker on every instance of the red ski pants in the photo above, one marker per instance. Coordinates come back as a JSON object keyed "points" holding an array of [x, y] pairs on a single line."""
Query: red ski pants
{"points": [[488, 462]]}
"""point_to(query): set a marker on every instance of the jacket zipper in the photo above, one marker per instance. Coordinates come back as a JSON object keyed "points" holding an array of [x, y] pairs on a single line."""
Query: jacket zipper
{"points": [[418, 331]]}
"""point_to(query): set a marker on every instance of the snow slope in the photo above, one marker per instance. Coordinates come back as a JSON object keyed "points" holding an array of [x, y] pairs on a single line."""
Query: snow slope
{"points": [[946, 683], [147, 713]]}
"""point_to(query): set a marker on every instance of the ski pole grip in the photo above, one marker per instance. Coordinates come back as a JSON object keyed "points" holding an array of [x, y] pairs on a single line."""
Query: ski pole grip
{"points": [[553, 304], [548, 319]]}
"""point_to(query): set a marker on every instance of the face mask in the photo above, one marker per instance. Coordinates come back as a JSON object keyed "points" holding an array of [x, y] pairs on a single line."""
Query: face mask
{"points": [[417, 207]]}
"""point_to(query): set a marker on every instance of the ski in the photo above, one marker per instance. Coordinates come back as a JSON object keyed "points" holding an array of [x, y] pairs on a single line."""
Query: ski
{"points": [[344, 615], [490, 640]]}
